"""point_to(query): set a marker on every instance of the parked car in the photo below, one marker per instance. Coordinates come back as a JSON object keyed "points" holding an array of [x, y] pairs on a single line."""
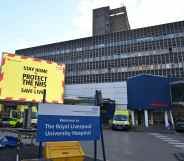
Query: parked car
{"points": [[179, 125], [9, 122], [1, 122], [4, 122]]}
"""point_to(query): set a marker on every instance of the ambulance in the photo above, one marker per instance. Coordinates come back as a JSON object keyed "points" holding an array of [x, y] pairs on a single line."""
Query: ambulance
{"points": [[121, 120]]}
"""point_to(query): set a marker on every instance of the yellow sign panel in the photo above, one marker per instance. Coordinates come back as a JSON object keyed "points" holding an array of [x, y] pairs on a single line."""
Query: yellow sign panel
{"points": [[62, 151], [25, 78]]}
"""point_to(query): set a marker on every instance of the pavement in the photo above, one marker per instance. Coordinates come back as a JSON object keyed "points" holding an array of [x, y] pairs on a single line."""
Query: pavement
{"points": [[139, 145], [28, 152]]}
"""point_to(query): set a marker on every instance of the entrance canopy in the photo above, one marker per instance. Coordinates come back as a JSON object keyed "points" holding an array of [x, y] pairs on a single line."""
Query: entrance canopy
{"points": [[148, 92]]}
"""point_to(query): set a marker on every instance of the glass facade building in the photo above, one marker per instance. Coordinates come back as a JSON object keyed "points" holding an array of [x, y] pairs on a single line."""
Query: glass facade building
{"points": [[114, 57]]}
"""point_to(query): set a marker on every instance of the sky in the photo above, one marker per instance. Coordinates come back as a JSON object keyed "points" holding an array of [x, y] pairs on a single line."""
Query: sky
{"points": [[28, 23]]}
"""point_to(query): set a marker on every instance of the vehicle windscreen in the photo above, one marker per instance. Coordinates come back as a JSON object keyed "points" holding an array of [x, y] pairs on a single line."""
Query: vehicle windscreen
{"points": [[14, 114], [120, 118]]}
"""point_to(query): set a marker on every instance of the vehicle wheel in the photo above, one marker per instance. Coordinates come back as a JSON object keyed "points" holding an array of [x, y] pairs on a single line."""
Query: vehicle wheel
{"points": [[113, 128], [18, 125]]}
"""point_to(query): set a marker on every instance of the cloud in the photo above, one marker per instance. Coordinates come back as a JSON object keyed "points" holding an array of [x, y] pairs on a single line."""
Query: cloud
{"points": [[138, 3], [82, 23], [141, 13], [154, 12]]}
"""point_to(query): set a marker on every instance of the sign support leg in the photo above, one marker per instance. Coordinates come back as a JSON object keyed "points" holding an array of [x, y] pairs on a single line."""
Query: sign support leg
{"points": [[95, 150], [102, 142], [40, 143], [29, 116], [40, 150], [99, 102]]}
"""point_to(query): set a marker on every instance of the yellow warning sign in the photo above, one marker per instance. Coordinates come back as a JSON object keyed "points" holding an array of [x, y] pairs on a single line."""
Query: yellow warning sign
{"points": [[24, 79]]}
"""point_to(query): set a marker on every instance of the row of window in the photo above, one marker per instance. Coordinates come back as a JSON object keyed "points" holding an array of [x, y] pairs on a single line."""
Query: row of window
{"points": [[141, 34], [118, 52], [141, 44], [126, 69], [172, 57], [117, 56], [121, 76]]}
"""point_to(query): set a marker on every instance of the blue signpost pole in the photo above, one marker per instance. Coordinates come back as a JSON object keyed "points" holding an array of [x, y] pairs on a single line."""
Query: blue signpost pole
{"points": [[98, 101], [95, 141], [40, 143], [102, 141], [95, 150], [40, 150]]}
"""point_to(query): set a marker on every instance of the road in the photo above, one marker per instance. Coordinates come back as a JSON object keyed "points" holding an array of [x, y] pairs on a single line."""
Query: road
{"points": [[139, 146], [122, 146]]}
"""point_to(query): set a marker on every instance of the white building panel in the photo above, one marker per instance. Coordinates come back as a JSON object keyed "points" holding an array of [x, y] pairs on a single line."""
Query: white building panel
{"points": [[116, 91]]}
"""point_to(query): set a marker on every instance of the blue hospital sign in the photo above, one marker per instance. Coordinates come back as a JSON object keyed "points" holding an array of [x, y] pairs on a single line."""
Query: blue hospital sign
{"points": [[68, 122]]}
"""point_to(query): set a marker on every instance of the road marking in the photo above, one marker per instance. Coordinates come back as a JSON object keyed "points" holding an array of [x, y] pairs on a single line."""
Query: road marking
{"points": [[162, 137], [155, 134], [171, 141], [176, 144], [179, 146]]}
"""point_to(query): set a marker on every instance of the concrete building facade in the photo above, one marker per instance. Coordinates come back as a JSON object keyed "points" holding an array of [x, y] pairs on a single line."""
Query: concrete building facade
{"points": [[106, 60], [114, 57], [106, 20]]}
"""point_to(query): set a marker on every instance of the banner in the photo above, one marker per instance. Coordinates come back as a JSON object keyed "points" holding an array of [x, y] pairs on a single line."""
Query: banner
{"points": [[25, 78]]}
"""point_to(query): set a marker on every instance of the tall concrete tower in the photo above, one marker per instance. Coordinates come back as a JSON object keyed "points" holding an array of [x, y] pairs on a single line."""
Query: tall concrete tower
{"points": [[106, 20]]}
